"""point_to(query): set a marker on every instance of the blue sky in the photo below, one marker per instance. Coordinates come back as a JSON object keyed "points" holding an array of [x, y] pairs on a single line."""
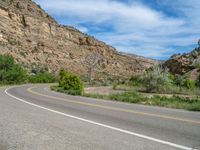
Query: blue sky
{"points": [[151, 28]]}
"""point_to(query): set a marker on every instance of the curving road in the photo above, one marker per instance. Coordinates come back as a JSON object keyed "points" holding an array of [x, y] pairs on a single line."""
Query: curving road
{"points": [[34, 118]]}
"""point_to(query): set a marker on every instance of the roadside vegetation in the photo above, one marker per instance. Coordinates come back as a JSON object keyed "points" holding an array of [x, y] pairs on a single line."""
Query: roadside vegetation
{"points": [[10, 72], [69, 83], [160, 80], [183, 92], [170, 102], [44, 77], [13, 73], [156, 80]]}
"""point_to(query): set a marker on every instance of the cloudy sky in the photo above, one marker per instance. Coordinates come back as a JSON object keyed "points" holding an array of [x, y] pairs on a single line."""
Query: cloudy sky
{"points": [[151, 28]]}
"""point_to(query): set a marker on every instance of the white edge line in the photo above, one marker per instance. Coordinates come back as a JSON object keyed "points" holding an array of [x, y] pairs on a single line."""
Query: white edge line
{"points": [[100, 124]]}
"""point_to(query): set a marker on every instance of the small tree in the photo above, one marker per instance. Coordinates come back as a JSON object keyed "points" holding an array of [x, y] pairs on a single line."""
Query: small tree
{"points": [[91, 61]]}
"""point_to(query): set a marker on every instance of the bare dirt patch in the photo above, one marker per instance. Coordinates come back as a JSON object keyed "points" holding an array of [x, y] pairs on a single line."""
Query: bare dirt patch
{"points": [[104, 90]]}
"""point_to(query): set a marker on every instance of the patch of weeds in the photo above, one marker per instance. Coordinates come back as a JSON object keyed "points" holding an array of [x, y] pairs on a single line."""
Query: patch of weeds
{"points": [[170, 102]]}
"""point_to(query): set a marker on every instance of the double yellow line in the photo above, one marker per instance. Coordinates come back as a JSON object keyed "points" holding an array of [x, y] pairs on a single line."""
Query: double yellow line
{"points": [[30, 90]]}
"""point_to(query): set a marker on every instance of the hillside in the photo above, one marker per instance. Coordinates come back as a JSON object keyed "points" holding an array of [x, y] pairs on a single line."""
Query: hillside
{"points": [[35, 38], [186, 64]]}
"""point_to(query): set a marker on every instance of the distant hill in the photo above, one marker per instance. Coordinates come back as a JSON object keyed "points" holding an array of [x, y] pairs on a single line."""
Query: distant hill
{"points": [[33, 37], [186, 64]]}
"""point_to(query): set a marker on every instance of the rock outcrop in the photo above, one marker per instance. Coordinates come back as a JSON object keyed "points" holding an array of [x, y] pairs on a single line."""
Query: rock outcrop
{"points": [[185, 64], [33, 37]]}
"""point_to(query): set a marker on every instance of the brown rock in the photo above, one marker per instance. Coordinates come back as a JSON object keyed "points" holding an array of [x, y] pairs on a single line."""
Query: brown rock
{"points": [[186, 64], [24, 25]]}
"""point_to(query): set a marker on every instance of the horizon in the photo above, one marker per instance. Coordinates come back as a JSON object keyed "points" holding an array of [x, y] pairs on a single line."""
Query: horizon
{"points": [[151, 28]]}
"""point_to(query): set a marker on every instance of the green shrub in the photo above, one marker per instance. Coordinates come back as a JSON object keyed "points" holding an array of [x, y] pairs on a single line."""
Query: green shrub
{"points": [[171, 77], [190, 84], [197, 66], [135, 80], [179, 80], [107, 80], [155, 78], [105, 83], [184, 82], [198, 81], [43, 78], [6, 62], [10, 72], [194, 54], [37, 68], [130, 97], [114, 86], [70, 82], [23, 53]]}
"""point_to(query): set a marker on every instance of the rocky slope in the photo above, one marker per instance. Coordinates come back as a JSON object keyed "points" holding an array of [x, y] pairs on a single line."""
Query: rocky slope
{"points": [[33, 37], [186, 64]]}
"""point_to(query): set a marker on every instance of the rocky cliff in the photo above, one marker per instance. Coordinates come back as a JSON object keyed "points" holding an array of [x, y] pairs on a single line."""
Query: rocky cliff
{"points": [[33, 37], [185, 64]]}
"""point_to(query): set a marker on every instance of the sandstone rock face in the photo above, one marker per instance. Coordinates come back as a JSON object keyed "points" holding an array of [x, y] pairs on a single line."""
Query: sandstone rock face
{"points": [[188, 63], [33, 37]]}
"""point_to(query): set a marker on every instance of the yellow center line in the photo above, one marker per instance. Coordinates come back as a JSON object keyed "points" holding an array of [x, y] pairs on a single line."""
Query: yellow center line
{"points": [[115, 108]]}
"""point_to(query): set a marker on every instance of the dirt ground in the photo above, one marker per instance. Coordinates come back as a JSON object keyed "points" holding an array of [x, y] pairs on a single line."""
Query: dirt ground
{"points": [[104, 90]]}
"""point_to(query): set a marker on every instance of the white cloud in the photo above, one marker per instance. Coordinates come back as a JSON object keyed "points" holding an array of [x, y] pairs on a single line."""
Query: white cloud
{"points": [[82, 29], [102, 11], [135, 27], [147, 51]]}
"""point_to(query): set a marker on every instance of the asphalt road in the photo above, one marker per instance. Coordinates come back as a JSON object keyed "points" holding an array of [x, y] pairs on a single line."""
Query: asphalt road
{"points": [[34, 118]]}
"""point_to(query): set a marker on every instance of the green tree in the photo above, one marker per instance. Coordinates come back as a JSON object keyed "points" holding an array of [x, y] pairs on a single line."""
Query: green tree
{"points": [[10, 72], [6, 62]]}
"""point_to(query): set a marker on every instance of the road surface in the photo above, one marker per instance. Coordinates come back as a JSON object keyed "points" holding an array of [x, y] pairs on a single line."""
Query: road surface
{"points": [[34, 118]]}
